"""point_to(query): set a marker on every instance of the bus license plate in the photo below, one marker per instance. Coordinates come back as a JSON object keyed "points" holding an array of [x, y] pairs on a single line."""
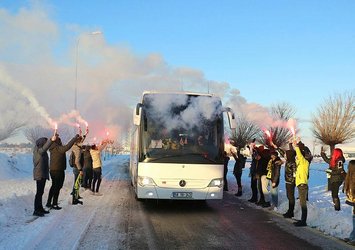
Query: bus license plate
{"points": [[187, 195]]}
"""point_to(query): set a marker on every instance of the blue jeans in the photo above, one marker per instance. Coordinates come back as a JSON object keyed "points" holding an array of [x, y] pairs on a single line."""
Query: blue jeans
{"points": [[274, 195], [352, 234]]}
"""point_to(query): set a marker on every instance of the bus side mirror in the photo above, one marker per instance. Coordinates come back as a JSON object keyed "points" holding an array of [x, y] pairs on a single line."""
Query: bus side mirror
{"points": [[137, 114], [231, 118]]}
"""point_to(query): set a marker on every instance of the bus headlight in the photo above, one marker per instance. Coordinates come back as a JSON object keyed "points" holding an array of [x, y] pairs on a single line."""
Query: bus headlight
{"points": [[145, 181], [216, 183]]}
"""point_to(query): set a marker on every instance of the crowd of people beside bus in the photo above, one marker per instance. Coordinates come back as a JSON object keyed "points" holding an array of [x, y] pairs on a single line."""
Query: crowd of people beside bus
{"points": [[85, 161], [265, 174]]}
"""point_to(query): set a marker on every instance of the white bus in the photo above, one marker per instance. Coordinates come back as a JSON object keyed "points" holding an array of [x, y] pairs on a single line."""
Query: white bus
{"points": [[177, 146]]}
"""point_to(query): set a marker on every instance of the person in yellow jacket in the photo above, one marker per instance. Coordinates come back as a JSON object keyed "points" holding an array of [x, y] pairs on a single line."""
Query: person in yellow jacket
{"points": [[302, 170], [95, 153]]}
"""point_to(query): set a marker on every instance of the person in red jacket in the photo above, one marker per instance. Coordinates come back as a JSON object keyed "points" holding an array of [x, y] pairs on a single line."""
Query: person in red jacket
{"points": [[336, 173]]}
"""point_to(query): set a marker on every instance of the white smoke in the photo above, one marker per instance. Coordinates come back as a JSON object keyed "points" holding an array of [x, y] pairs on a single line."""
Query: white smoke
{"points": [[110, 78], [191, 112], [7, 81]]}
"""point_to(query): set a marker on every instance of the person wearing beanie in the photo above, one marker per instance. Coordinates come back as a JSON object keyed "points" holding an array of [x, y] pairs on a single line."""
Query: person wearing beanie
{"points": [[41, 171], [57, 166]]}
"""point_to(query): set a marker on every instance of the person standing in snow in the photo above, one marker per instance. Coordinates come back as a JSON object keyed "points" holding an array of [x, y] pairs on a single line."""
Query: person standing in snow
{"points": [[95, 153], [57, 166], [252, 172], [87, 168], [302, 172], [238, 170], [265, 157], [290, 174], [336, 173], [226, 160], [41, 171], [349, 189], [79, 160], [273, 177]]}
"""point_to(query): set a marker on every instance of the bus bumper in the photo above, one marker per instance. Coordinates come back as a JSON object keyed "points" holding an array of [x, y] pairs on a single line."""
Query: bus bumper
{"points": [[154, 192]]}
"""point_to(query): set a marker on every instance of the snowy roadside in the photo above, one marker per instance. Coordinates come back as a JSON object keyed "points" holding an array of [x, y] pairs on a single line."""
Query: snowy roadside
{"points": [[321, 213], [61, 229]]}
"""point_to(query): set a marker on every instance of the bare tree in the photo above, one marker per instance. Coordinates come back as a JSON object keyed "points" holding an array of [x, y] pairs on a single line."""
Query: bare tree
{"points": [[279, 133], [10, 129], [334, 122], [245, 132], [34, 133]]}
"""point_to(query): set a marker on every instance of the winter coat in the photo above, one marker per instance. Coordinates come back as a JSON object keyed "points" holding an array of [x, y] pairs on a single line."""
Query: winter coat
{"points": [[87, 159], [58, 161], [290, 165], [77, 150], [96, 156], [273, 168], [40, 159], [302, 168], [337, 173], [239, 162], [261, 168]]}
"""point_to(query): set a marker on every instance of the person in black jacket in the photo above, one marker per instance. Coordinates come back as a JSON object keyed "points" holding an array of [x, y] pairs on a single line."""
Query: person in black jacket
{"points": [[238, 170], [252, 174], [87, 168], [41, 172], [57, 166], [261, 171]]}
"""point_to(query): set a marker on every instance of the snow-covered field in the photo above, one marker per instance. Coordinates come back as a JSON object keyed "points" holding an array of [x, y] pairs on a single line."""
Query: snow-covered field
{"points": [[18, 189]]}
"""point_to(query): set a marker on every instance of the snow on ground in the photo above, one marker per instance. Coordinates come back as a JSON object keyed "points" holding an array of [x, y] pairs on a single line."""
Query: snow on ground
{"points": [[321, 213], [17, 200], [18, 190]]}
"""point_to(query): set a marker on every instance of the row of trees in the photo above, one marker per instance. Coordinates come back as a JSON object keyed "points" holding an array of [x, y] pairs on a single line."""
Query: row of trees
{"points": [[334, 123]]}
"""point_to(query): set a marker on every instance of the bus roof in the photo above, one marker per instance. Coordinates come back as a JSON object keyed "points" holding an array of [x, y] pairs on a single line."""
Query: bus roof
{"points": [[177, 93]]}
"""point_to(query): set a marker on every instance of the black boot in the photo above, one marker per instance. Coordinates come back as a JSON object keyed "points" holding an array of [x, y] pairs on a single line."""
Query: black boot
{"points": [[336, 202], [240, 192], [76, 201], [253, 200], [44, 211], [288, 214], [300, 223], [38, 213]]}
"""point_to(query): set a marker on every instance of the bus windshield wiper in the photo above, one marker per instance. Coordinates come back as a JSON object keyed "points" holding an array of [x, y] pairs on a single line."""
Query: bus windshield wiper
{"points": [[203, 156], [163, 157]]}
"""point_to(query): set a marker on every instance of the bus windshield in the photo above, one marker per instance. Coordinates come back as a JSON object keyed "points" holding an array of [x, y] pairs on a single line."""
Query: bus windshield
{"points": [[182, 129]]}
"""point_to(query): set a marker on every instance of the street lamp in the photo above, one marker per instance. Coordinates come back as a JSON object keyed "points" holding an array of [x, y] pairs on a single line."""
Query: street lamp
{"points": [[98, 32]]}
